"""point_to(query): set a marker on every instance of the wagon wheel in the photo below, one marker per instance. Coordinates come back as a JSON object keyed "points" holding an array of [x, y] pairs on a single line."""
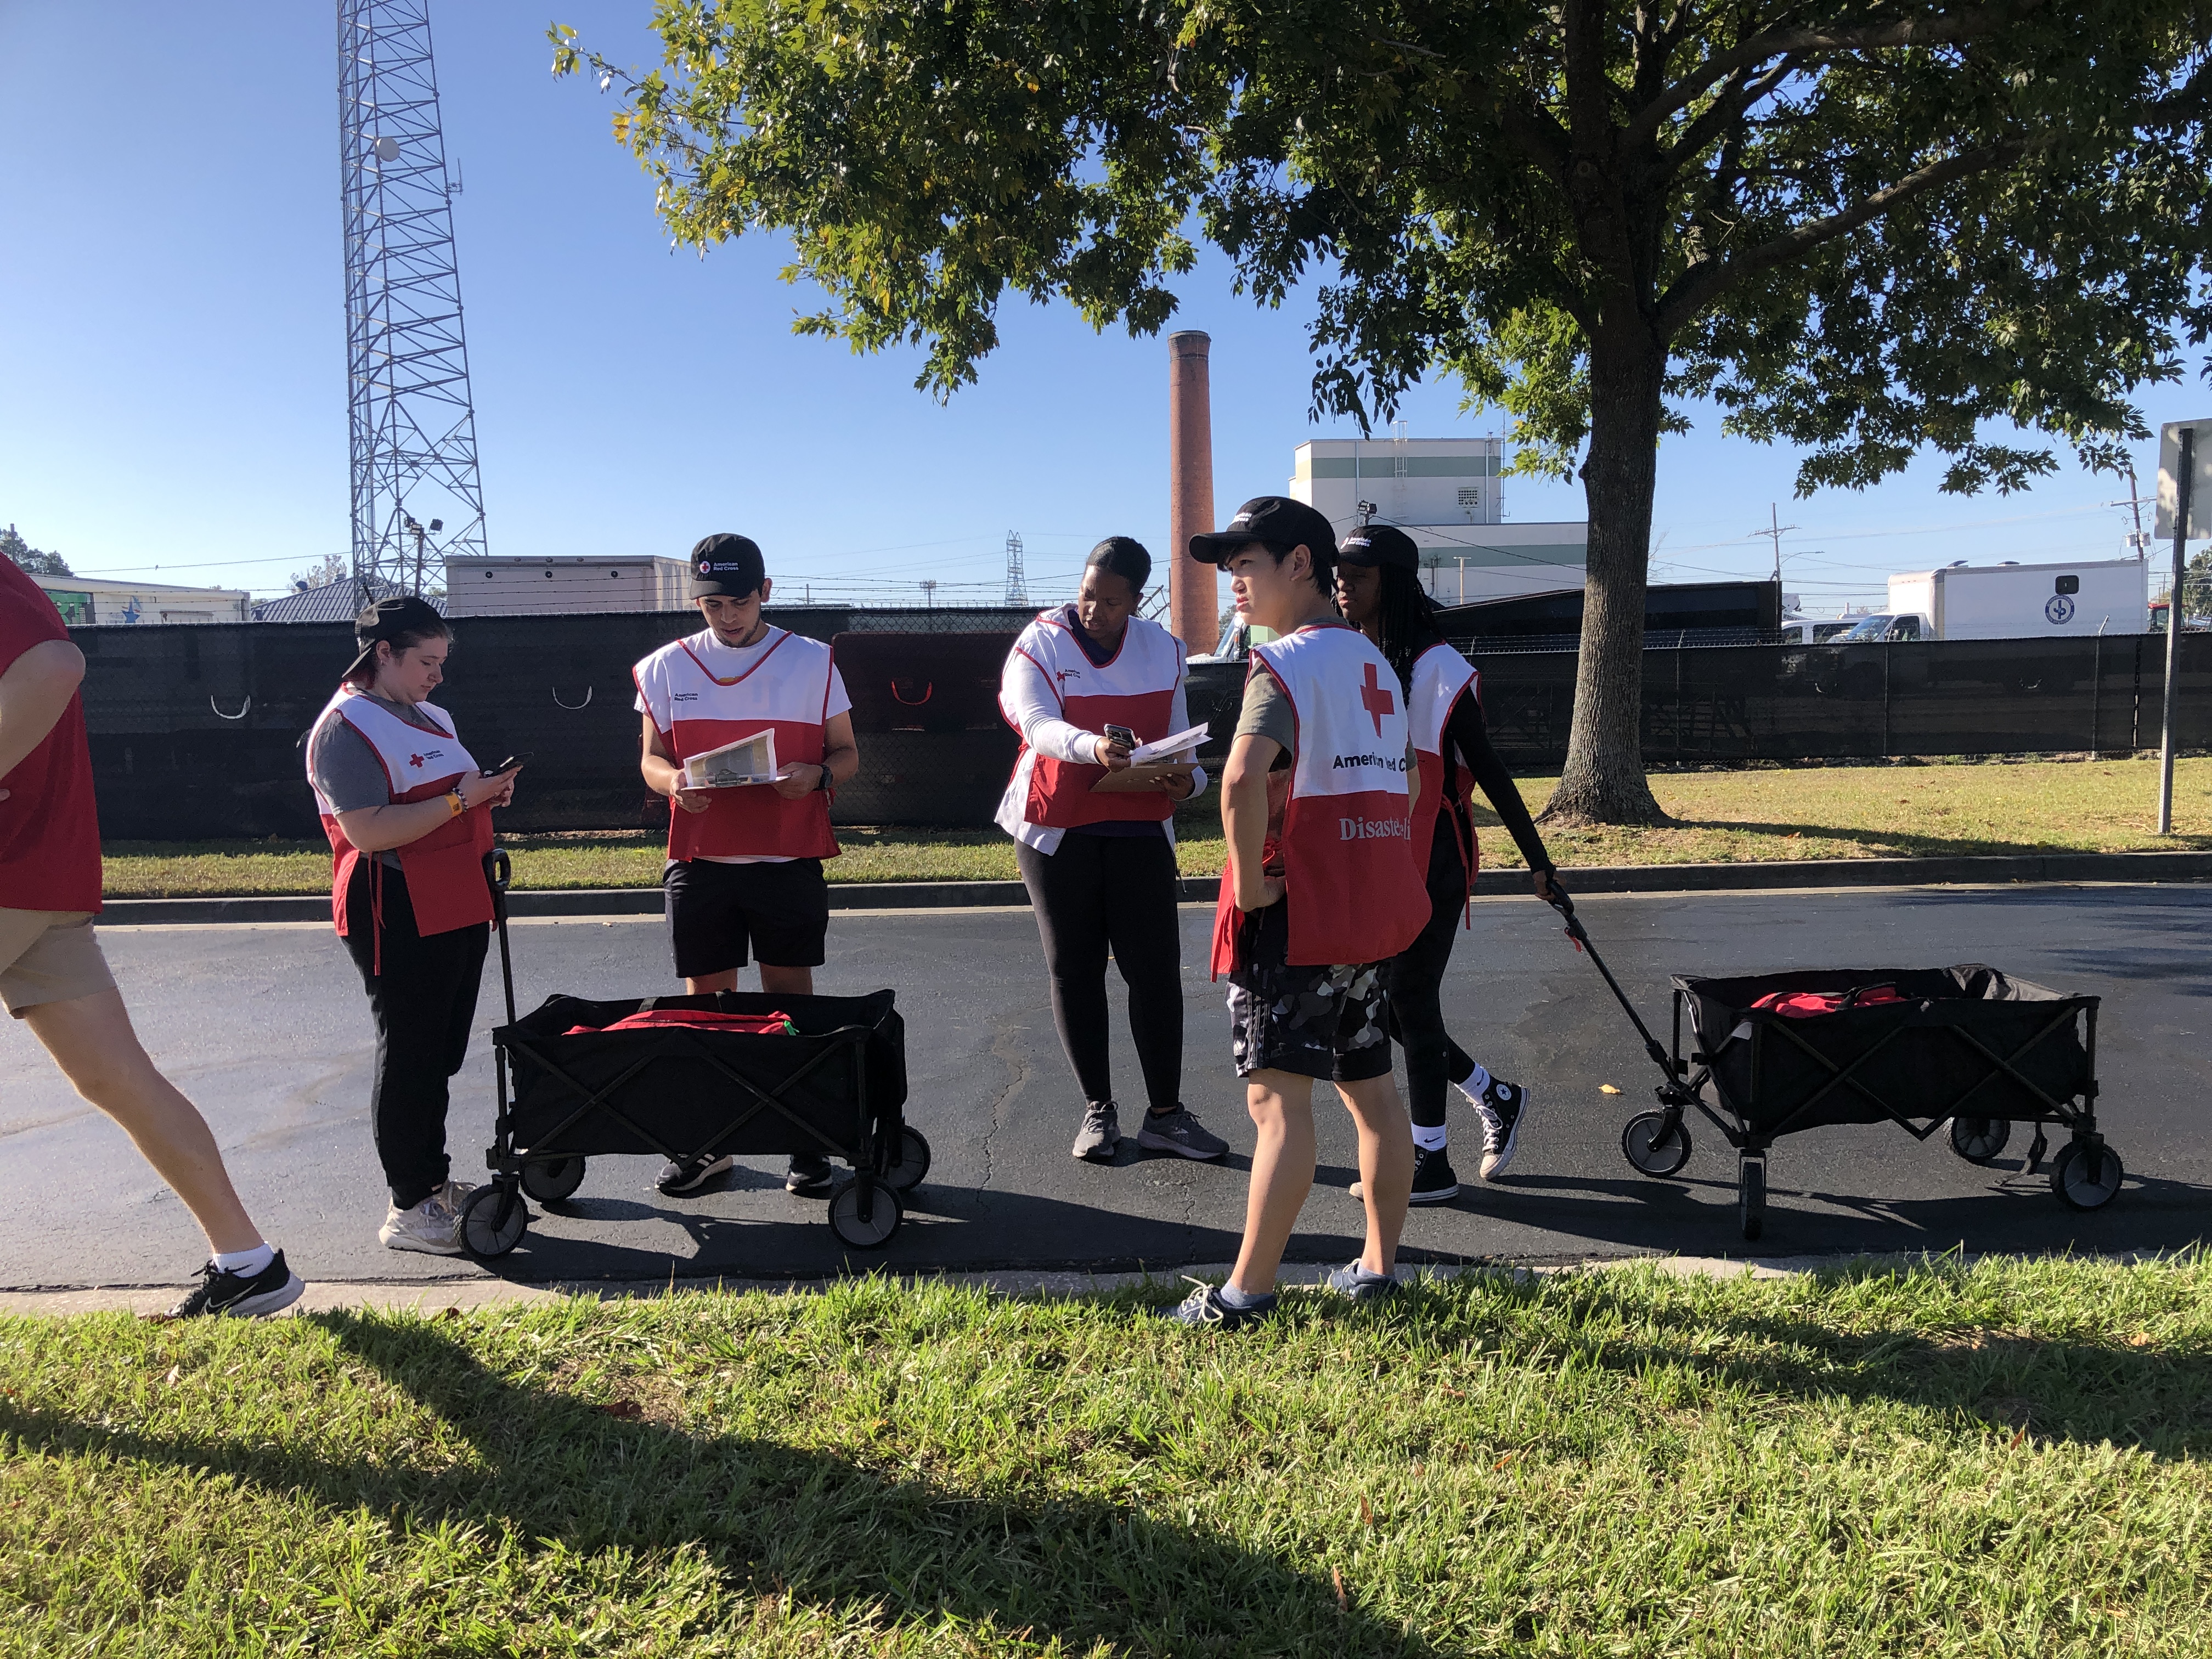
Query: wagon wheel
{"points": [[494, 1219], [1751, 1196], [882, 1221], [910, 1162], [1980, 1140], [1651, 1144], [2085, 1174], [549, 1180]]}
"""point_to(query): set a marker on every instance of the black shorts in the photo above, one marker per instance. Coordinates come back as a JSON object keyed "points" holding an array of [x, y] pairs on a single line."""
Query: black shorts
{"points": [[1329, 1022], [716, 910]]}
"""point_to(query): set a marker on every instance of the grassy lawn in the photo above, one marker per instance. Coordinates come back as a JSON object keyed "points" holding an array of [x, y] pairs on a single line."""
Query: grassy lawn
{"points": [[1999, 1460], [1908, 809]]}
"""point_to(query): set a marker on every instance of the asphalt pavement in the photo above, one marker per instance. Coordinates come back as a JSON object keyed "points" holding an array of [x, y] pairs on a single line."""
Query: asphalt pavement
{"points": [[266, 1027]]}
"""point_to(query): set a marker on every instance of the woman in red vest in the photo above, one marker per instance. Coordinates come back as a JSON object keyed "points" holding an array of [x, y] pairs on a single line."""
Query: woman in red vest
{"points": [[1378, 588], [1100, 867], [408, 812]]}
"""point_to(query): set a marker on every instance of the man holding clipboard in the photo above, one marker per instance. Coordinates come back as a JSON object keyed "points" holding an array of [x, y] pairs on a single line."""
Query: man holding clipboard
{"points": [[747, 729], [1096, 693]]}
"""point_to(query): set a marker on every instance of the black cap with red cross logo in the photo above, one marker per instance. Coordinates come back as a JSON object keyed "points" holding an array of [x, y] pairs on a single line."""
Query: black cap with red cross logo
{"points": [[727, 563]]}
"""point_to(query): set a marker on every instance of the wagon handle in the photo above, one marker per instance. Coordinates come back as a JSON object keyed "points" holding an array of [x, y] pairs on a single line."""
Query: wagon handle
{"points": [[1561, 902], [499, 872]]}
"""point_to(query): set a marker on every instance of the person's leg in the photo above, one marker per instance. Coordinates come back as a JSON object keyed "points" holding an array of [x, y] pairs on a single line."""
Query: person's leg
{"points": [[783, 981], [414, 986], [785, 907], [1386, 1165], [1067, 893], [705, 926], [92, 1039], [1281, 1105], [1145, 936]]}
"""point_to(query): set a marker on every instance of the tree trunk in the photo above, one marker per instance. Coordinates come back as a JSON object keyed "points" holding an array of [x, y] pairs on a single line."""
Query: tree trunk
{"points": [[1603, 781]]}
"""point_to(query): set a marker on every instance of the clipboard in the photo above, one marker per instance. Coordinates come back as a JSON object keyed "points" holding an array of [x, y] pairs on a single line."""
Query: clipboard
{"points": [[1140, 779]]}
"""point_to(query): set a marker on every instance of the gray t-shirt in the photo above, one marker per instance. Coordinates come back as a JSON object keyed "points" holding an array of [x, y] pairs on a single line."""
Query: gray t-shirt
{"points": [[345, 770]]}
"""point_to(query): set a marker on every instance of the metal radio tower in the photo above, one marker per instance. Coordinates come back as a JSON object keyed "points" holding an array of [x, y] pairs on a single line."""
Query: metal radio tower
{"points": [[1017, 584], [415, 497]]}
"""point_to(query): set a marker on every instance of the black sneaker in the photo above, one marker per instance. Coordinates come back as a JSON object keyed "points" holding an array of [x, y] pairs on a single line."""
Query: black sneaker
{"points": [[1504, 1109], [1434, 1181], [681, 1176], [223, 1292], [808, 1177]]}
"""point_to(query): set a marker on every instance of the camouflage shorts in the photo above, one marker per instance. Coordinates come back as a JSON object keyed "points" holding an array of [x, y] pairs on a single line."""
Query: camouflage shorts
{"points": [[1330, 1023]]}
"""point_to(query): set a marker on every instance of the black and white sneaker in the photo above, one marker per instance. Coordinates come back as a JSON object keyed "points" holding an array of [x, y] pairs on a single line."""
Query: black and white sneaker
{"points": [[1504, 1109], [1434, 1179], [240, 1295], [808, 1177], [681, 1176]]}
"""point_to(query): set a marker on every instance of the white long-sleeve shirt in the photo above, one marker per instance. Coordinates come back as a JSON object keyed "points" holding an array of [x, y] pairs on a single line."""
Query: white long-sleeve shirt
{"points": [[1032, 706]]}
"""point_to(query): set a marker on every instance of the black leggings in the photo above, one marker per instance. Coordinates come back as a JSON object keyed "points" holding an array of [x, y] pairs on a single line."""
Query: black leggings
{"points": [[424, 1001], [1118, 892], [1417, 974]]}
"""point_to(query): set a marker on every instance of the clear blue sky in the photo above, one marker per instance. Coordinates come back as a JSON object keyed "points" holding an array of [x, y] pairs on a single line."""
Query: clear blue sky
{"points": [[172, 375]]}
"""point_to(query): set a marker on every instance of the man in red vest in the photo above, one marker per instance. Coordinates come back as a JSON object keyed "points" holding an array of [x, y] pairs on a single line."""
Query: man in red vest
{"points": [[744, 863], [1322, 890], [52, 975]]}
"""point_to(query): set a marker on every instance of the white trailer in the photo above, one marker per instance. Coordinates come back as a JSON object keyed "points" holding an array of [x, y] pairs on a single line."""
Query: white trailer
{"points": [[2026, 601]]}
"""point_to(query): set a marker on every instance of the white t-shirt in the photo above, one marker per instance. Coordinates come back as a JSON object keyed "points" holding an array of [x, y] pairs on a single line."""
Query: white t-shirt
{"points": [[727, 662]]}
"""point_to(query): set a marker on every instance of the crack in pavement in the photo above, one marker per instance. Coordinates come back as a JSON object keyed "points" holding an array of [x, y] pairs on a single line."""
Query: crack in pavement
{"points": [[1003, 1050]]}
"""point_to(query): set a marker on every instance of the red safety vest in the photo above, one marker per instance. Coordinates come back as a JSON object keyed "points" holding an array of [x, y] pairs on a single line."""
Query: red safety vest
{"points": [[444, 869], [1135, 688], [1346, 844], [1441, 678], [787, 689]]}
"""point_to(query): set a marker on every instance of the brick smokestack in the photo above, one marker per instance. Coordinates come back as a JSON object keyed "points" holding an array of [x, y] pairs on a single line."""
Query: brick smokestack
{"points": [[1193, 589]]}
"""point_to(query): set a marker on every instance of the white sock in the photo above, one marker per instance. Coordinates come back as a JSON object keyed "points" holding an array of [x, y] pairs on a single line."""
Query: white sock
{"points": [[1474, 1082], [244, 1263], [1428, 1140]]}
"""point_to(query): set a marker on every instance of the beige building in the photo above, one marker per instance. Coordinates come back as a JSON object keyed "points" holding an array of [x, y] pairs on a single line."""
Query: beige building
{"points": [[509, 587], [88, 600]]}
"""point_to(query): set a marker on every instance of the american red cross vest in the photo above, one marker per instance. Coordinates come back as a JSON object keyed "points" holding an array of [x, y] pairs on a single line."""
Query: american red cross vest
{"points": [[787, 689], [1347, 837], [1441, 678], [1134, 688], [444, 869]]}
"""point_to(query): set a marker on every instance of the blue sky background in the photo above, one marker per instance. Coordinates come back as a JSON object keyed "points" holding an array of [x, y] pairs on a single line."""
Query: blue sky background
{"points": [[173, 373]]}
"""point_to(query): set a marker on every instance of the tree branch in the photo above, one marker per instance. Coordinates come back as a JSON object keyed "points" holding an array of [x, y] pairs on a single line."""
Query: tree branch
{"points": [[1817, 43], [1699, 287]]}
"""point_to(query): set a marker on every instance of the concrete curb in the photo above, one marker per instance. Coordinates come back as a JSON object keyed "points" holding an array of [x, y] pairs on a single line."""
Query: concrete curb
{"points": [[1201, 889]]}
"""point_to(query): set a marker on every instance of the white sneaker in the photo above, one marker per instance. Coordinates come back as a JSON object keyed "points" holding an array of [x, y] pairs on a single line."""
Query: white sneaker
{"points": [[434, 1226]]}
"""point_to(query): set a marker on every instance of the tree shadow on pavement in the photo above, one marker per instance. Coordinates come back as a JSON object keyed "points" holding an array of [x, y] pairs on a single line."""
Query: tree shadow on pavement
{"points": [[776, 1519]]}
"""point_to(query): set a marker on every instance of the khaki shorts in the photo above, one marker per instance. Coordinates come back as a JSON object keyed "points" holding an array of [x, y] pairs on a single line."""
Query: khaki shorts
{"points": [[49, 956]]}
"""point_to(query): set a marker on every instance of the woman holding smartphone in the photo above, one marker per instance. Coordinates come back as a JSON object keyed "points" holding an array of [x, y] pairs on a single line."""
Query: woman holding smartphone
{"points": [[408, 811], [1084, 684]]}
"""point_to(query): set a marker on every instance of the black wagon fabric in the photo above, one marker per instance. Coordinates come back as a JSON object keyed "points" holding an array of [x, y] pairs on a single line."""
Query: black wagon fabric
{"points": [[688, 1087], [1933, 1053]]}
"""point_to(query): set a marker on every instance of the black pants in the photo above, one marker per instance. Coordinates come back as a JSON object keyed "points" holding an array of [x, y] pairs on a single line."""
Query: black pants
{"points": [[423, 995], [1117, 892], [1416, 977]]}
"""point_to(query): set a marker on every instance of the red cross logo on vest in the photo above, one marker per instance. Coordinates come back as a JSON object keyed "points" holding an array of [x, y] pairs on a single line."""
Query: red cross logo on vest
{"points": [[1376, 701], [417, 760]]}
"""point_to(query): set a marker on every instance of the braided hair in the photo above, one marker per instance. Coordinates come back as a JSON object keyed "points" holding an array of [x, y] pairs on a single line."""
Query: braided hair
{"points": [[1406, 621]]}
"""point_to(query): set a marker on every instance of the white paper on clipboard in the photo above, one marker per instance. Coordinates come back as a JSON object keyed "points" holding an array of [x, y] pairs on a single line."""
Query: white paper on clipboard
{"points": [[1168, 748], [734, 765]]}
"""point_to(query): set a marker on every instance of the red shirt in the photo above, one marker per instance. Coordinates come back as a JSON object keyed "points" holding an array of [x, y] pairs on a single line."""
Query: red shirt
{"points": [[49, 829]]}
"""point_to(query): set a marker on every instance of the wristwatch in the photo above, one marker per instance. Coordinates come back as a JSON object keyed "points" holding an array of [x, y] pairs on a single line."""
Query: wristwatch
{"points": [[822, 781]]}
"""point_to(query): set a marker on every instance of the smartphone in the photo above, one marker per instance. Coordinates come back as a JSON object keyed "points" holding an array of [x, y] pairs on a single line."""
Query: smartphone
{"points": [[507, 765], [1122, 735]]}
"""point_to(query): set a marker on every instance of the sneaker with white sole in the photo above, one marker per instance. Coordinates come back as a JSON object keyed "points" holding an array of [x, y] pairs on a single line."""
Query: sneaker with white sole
{"points": [[1355, 1281], [809, 1176], [434, 1226], [681, 1176], [224, 1293], [1101, 1133], [1206, 1306], [1180, 1133], [1435, 1181], [1504, 1109]]}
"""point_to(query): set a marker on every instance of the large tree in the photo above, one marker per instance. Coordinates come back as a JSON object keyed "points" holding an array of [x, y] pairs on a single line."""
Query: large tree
{"points": [[29, 558], [1861, 229]]}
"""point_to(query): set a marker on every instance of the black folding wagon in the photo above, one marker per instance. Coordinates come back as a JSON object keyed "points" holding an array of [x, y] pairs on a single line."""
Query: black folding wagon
{"points": [[830, 1077], [1966, 1049]]}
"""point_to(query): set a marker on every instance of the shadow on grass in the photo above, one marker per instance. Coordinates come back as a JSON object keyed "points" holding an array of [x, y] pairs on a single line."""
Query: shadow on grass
{"points": [[777, 1519]]}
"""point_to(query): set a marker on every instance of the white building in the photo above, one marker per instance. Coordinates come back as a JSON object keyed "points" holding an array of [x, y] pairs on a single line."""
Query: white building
{"points": [[1446, 493], [508, 588], [89, 600]]}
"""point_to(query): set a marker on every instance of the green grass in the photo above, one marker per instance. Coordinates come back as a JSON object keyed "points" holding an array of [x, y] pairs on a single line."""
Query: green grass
{"points": [[2000, 1461], [1905, 810]]}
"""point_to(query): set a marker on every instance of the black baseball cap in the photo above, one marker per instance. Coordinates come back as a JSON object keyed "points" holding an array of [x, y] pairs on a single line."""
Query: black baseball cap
{"points": [[1377, 544], [1276, 519], [727, 563], [390, 619]]}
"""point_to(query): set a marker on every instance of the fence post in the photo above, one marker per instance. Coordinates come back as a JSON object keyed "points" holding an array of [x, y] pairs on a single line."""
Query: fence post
{"points": [[1884, 702], [2097, 690]]}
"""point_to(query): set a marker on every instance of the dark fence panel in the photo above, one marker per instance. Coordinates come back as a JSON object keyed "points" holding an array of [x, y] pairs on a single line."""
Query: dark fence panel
{"points": [[196, 731]]}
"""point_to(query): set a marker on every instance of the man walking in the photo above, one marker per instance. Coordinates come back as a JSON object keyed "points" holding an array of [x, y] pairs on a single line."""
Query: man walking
{"points": [[52, 975]]}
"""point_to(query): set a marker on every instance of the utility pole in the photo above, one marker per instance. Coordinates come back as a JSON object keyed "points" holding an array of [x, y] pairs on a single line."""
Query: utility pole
{"points": [[1776, 530], [2176, 620]]}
